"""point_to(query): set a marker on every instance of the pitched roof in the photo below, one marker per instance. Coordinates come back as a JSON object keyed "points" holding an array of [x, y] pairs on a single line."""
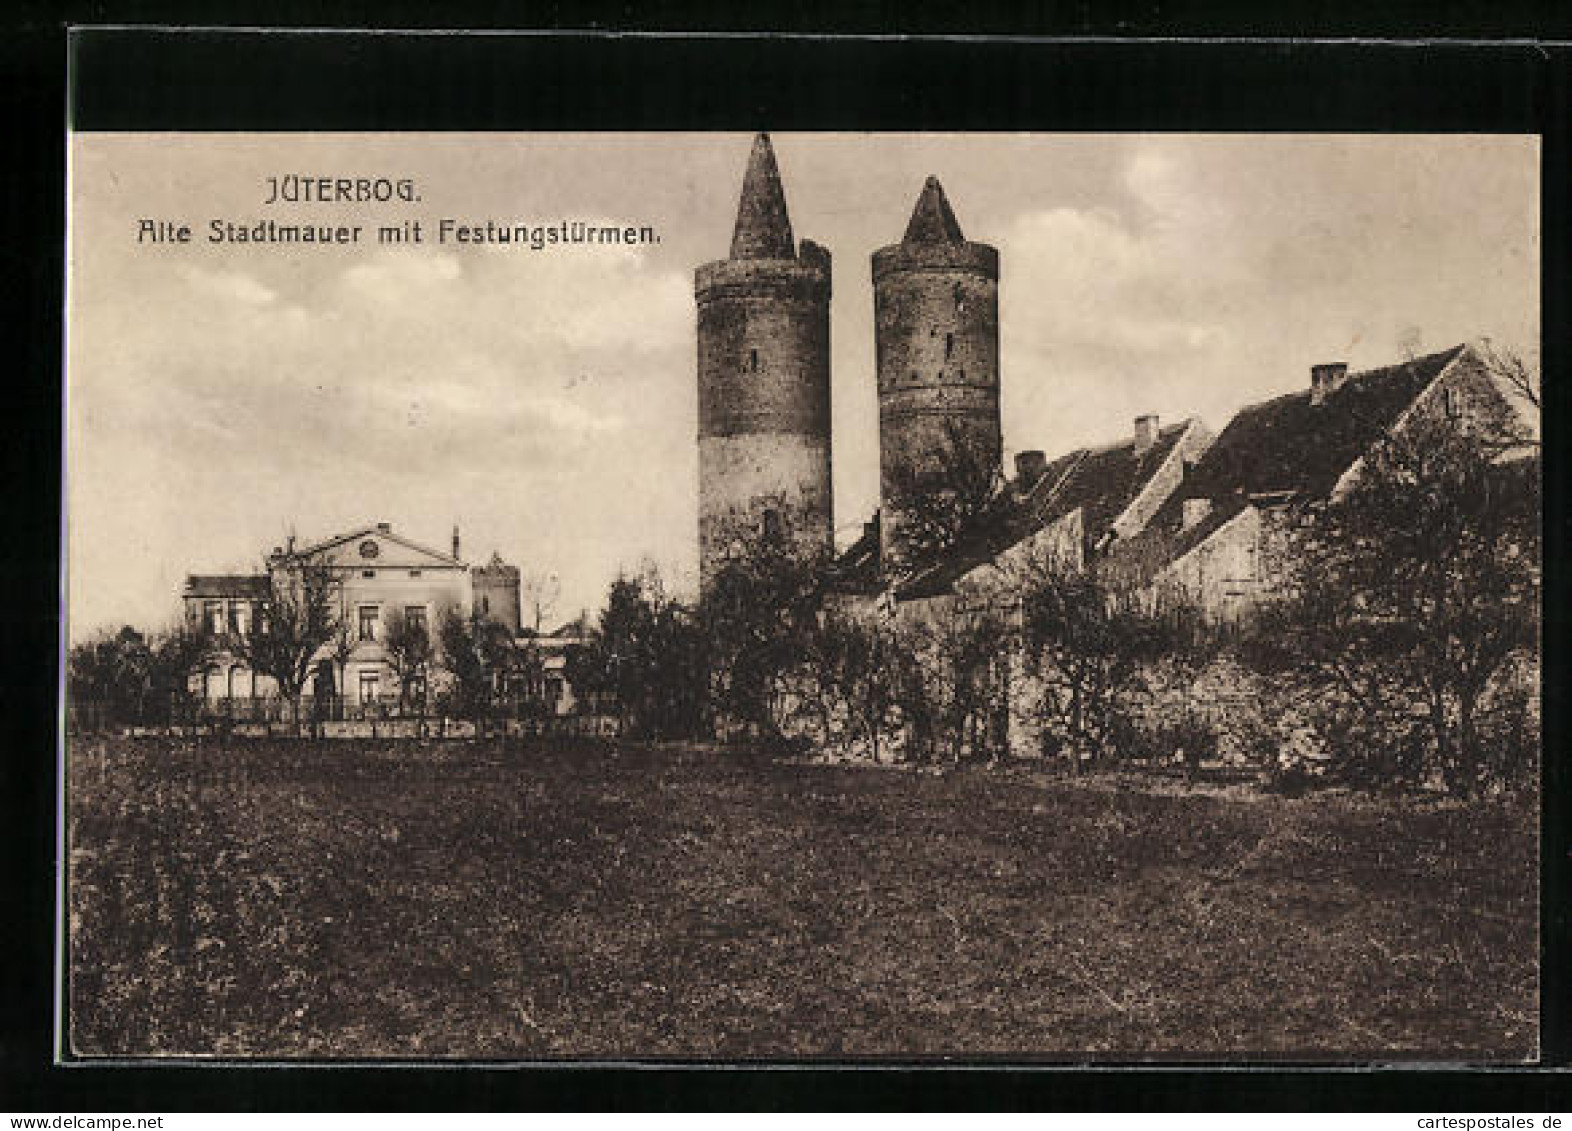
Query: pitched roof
{"points": [[763, 229], [1100, 482], [247, 585], [1287, 447], [1291, 444], [577, 627], [856, 570], [373, 531], [933, 220]]}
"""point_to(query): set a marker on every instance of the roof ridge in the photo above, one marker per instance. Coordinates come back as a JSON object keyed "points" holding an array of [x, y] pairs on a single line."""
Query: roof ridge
{"points": [[374, 528]]}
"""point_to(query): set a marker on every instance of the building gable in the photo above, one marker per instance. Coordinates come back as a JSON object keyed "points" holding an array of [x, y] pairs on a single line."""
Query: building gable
{"points": [[375, 547]]}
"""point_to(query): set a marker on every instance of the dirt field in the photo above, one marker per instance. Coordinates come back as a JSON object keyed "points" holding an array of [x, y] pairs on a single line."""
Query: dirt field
{"points": [[450, 900]]}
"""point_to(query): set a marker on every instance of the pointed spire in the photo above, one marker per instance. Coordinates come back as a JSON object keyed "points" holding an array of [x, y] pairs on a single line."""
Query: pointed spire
{"points": [[763, 229], [932, 220]]}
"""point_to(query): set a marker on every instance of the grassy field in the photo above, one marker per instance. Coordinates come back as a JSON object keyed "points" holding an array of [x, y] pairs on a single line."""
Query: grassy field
{"points": [[449, 900]]}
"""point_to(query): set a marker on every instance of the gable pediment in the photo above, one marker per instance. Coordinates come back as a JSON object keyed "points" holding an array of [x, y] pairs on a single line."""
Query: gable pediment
{"points": [[378, 549]]}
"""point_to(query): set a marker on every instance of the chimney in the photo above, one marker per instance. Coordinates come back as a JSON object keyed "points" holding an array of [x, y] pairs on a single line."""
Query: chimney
{"points": [[1029, 467], [1325, 378], [1145, 434], [290, 545], [385, 527], [455, 540], [1195, 510]]}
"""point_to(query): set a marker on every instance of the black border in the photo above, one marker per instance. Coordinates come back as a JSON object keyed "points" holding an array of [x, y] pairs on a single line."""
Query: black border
{"points": [[148, 79]]}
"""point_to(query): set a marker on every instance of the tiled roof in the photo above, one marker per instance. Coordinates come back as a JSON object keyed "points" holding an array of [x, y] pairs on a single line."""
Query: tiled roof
{"points": [[1287, 447], [577, 627], [247, 585], [1101, 482], [1290, 444]]}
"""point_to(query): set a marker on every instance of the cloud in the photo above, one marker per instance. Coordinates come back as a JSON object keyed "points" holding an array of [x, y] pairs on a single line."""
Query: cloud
{"points": [[545, 400], [226, 285], [424, 388]]}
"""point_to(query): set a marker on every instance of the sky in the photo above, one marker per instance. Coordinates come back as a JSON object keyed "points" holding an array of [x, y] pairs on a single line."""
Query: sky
{"points": [[222, 396]]}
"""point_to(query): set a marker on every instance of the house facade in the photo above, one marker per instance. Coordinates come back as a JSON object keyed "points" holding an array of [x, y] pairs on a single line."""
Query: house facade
{"points": [[376, 574]]}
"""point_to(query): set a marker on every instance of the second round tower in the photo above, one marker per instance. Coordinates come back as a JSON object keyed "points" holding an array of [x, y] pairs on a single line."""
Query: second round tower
{"points": [[936, 334]]}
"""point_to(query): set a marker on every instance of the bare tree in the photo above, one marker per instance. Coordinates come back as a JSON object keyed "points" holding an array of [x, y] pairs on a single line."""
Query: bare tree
{"points": [[298, 619], [480, 655], [648, 655], [944, 502], [756, 618], [1413, 595], [1084, 637], [407, 643], [538, 592], [849, 667], [177, 652], [953, 688], [1520, 380]]}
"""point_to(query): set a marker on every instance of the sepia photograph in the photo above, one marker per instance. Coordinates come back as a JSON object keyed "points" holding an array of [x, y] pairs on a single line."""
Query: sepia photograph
{"points": [[1034, 597]]}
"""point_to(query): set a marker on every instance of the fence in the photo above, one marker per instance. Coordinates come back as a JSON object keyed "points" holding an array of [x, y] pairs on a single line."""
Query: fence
{"points": [[333, 716]]}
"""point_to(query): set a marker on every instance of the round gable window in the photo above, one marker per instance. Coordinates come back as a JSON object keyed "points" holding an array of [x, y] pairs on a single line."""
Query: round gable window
{"points": [[368, 549]]}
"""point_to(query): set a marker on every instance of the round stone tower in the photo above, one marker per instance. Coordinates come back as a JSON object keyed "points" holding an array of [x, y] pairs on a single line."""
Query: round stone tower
{"points": [[764, 382], [936, 335]]}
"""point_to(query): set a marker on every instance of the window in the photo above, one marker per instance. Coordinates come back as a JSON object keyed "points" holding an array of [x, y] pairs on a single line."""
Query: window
{"points": [[368, 573], [1452, 400], [214, 611], [771, 524], [753, 361], [368, 622], [414, 573], [485, 604], [368, 687], [949, 346], [240, 618], [416, 616]]}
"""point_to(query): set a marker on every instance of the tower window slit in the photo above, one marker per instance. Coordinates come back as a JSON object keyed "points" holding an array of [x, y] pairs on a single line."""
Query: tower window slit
{"points": [[753, 361], [949, 346]]}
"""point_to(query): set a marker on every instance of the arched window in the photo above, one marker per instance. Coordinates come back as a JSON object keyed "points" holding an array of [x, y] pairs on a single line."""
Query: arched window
{"points": [[213, 683]]}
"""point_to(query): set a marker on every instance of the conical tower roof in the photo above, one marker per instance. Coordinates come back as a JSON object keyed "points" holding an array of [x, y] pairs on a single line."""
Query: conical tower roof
{"points": [[763, 229], [933, 221]]}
